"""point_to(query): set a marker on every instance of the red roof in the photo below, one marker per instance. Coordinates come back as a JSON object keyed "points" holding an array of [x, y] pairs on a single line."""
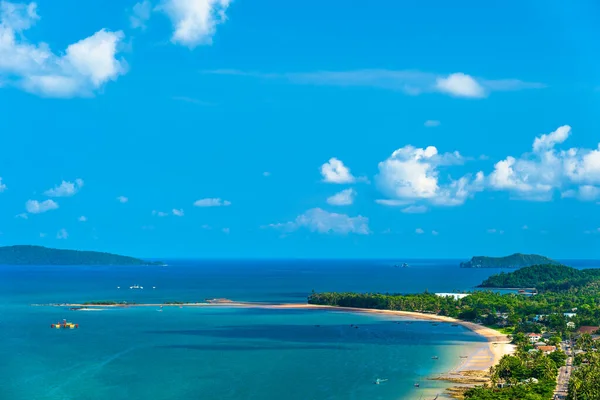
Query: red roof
{"points": [[588, 329], [547, 348], [534, 334]]}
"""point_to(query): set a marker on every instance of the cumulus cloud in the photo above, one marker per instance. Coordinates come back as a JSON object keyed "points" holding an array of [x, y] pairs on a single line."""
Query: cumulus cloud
{"points": [[412, 174], [321, 221], [83, 68], [82, 218], [334, 171], [22, 216], [419, 231], [537, 175], [435, 233], [194, 21], [212, 202], [407, 81], [37, 207], [432, 123], [62, 234], [65, 189], [460, 85], [266, 174], [178, 212], [343, 198], [122, 199], [226, 230], [159, 213], [140, 14]]}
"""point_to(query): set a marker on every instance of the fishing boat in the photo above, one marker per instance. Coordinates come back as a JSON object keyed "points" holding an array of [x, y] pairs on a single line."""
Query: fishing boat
{"points": [[464, 356], [378, 381], [416, 385], [435, 358], [404, 265]]}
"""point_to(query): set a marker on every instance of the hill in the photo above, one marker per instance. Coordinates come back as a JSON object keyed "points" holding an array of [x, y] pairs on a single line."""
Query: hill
{"points": [[544, 278], [516, 260], [38, 255]]}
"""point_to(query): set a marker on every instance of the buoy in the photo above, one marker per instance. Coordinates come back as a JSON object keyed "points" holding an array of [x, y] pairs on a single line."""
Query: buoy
{"points": [[76, 325], [52, 326]]}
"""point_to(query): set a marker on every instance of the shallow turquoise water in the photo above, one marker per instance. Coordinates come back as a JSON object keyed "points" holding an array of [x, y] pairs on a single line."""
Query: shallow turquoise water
{"points": [[222, 353]]}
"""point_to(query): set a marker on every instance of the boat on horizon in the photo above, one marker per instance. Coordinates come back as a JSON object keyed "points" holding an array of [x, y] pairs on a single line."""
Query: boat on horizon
{"points": [[136, 287]]}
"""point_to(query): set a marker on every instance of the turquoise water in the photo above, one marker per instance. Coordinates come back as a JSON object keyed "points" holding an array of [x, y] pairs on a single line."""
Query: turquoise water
{"points": [[222, 353]]}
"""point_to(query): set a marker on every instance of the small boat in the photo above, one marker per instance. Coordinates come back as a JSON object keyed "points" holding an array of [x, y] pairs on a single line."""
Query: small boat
{"points": [[416, 385], [404, 265], [464, 356], [64, 325], [435, 358], [136, 287], [378, 381]]}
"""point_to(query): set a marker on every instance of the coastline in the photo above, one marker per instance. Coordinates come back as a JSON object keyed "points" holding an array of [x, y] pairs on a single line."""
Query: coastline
{"points": [[481, 360]]}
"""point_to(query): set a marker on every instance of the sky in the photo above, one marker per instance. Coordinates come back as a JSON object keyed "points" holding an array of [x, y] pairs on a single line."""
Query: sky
{"points": [[270, 129]]}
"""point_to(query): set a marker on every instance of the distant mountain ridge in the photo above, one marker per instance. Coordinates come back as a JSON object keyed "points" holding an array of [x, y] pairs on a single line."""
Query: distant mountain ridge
{"points": [[39, 255], [516, 260]]}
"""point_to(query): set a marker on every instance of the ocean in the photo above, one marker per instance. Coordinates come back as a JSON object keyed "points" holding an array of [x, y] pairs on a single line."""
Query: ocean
{"points": [[224, 352]]}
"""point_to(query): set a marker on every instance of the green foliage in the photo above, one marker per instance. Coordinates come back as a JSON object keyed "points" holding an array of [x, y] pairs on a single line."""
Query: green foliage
{"points": [[517, 260], [585, 379], [544, 278], [38, 255]]}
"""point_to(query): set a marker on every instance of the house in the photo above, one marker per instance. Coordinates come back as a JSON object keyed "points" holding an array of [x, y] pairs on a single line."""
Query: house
{"points": [[571, 325], [534, 337], [538, 344], [539, 317], [570, 315], [547, 349], [587, 329], [530, 380]]}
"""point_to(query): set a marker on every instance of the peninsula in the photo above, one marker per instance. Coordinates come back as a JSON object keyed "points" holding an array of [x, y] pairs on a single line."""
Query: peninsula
{"points": [[39, 255], [516, 260]]}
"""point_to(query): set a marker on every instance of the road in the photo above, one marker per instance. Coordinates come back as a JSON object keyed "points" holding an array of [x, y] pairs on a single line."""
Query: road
{"points": [[564, 373]]}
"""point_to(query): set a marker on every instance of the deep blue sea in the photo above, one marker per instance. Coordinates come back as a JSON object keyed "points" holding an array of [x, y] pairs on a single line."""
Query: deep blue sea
{"points": [[225, 353]]}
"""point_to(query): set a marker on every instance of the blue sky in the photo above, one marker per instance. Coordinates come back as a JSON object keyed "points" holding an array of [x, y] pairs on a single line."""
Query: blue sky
{"points": [[215, 128]]}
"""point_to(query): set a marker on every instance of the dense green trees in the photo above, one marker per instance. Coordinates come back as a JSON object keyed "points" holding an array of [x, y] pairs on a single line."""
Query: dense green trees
{"points": [[585, 379], [544, 278]]}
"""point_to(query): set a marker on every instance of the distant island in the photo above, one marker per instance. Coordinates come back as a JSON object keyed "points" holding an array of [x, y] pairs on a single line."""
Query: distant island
{"points": [[39, 255], [516, 260]]}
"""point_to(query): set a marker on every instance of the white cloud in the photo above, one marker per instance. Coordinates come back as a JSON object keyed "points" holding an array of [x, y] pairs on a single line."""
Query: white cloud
{"points": [[343, 198], [525, 227], [140, 14], [2, 185], [539, 174], [435, 233], [212, 202], [42, 235], [334, 171], [206, 226], [82, 219], [37, 207], [414, 209], [122, 199], [412, 174], [460, 85], [266, 174], [225, 230], [409, 82], [319, 220], [22, 216], [65, 189], [84, 67], [194, 21], [178, 212], [159, 213], [392, 203], [419, 231], [62, 234], [432, 123], [491, 231]]}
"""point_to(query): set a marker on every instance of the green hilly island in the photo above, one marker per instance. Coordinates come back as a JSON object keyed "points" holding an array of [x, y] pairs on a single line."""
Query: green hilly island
{"points": [[39, 255], [516, 260]]}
